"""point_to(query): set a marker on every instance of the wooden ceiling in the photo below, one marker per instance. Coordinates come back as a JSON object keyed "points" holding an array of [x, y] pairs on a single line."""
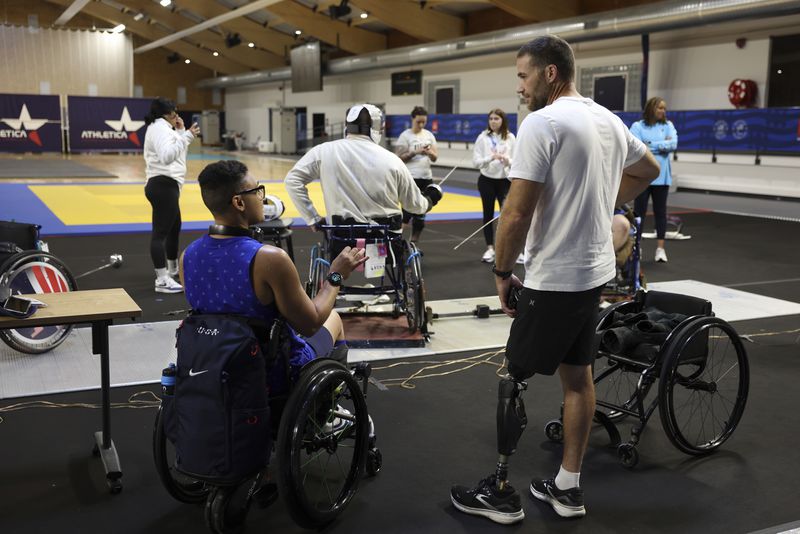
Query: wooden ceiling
{"points": [[272, 30]]}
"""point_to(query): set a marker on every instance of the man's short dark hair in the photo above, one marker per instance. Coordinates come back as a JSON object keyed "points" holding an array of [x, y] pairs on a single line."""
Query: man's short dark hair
{"points": [[219, 182], [551, 50], [417, 111]]}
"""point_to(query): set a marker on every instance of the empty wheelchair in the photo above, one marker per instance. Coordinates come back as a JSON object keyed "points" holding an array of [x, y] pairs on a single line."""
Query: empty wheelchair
{"points": [[322, 433], [27, 269], [400, 275], [698, 376]]}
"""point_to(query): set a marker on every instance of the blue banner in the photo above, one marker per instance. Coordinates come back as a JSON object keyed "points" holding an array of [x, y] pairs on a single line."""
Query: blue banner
{"points": [[461, 127], [105, 124], [30, 123], [768, 130]]}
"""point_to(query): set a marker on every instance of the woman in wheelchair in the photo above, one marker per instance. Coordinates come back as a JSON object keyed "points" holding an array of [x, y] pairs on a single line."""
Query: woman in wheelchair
{"points": [[228, 275]]}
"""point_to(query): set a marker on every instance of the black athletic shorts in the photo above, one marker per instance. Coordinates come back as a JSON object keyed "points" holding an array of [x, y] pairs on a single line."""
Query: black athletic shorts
{"points": [[551, 328]]}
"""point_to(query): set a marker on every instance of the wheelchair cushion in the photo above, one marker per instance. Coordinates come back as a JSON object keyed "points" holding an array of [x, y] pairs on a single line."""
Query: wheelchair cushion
{"points": [[219, 417]]}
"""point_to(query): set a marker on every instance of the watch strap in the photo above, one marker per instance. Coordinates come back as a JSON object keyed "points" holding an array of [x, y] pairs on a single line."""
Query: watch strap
{"points": [[505, 275]]}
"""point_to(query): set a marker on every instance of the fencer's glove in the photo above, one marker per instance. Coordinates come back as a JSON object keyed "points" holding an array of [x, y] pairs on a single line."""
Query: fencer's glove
{"points": [[434, 194]]}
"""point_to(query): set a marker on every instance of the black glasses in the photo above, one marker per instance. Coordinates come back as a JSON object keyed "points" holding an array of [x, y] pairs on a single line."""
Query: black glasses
{"points": [[259, 190]]}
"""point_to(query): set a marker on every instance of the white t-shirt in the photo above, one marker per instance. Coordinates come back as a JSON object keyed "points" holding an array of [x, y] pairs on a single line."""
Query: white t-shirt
{"points": [[488, 144], [165, 150], [420, 165], [359, 179], [577, 149]]}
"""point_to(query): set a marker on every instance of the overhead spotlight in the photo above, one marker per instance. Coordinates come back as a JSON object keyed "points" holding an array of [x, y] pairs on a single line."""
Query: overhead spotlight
{"points": [[251, 45], [165, 3], [187, 60], [139, 16], [298, 32], [342, 10], [364, 15], [118, 28], [215, 53], [233, 39], [173, 57]]}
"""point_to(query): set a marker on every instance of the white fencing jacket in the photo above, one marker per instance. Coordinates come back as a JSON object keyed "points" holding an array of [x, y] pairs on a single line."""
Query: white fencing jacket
{"points": [[359, 179], [165, 151]]}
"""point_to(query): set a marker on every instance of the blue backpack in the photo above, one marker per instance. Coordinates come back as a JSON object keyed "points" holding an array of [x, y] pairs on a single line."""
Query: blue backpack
{"points": [[219, 415]]}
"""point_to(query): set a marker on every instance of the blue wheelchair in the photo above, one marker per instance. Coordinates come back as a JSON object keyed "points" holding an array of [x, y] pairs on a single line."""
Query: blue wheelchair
{"points": [[401, 280]]}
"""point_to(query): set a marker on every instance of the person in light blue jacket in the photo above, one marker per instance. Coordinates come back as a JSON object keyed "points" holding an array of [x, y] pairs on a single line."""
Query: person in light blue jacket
{"points": [[661, 138]]}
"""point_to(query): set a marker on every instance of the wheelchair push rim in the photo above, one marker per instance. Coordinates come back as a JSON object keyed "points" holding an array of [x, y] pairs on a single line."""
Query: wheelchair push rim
{"points": [[36, 273], [322, 444], [703, 386], [182, 487]]}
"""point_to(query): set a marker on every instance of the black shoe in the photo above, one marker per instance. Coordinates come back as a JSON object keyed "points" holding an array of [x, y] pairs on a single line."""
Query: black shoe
{"points": [[501, 506], [566, 503], [266, 494]]}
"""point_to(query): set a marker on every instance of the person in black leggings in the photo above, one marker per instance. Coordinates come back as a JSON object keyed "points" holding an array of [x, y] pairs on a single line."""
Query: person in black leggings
{"points": [[165, 144]]}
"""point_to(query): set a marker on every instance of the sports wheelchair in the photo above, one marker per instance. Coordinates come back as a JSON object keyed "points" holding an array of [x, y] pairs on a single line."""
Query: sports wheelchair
{"points": [[700, 374], [26, 267], [323, 436], [402, 276]]}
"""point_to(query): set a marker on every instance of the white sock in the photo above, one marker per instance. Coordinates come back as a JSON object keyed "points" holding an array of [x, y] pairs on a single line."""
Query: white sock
{"points": [[172, 266], [161, 274], [567, 480]]}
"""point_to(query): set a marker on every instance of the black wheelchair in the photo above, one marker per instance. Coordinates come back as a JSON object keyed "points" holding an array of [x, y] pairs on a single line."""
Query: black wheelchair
{"points": [[700, 375], [26, 268], [324, 442], [402, 278]]}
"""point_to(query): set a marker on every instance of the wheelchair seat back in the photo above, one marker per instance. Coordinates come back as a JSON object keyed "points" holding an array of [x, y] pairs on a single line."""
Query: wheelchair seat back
{"points": [[219, 415], [17, 237]]}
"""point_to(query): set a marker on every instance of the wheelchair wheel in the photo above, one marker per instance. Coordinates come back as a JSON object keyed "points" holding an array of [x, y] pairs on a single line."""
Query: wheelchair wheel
{"points": [[414, 289], [180, 486], [703, 387], [322, 443], [617, 386], [227, 507], [36, 272]]}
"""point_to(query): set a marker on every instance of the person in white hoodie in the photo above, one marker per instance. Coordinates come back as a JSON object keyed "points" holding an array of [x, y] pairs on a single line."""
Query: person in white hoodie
{"points": [[165, 144], [492, 155]]}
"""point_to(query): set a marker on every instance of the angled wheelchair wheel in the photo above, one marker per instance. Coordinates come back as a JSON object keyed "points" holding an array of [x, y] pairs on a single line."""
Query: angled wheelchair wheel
{"points": [[180, 486], [616, 384], [414, 290], [703, 387], [322, 443], [36, 272]]}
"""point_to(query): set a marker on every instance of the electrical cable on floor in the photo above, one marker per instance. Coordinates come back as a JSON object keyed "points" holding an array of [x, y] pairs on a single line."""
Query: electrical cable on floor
{"points": [[470, 362], [135, 401], [748, 337]]}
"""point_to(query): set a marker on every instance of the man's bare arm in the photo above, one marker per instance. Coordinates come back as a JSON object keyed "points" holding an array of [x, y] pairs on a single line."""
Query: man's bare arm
{"points": [[515, 220], [637, 177]]}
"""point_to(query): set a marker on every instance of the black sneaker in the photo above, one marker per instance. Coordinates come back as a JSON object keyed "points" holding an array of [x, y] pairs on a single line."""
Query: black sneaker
{"points": [[501, 506], [566, 503]]}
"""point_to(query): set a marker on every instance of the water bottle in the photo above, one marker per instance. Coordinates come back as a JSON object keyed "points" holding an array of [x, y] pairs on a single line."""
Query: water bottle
{"points": [[168, 379]]}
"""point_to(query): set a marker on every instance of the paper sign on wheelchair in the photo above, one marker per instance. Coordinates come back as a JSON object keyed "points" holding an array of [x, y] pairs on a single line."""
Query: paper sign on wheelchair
{"points": [[376, 264]]}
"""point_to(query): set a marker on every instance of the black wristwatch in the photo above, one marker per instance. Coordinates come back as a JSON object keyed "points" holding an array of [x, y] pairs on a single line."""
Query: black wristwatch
{"points": [[505, 275], [335, 279]]}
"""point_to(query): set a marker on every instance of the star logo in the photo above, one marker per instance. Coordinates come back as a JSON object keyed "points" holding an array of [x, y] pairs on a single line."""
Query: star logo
{"points": [[130, 126], [27, 123]]}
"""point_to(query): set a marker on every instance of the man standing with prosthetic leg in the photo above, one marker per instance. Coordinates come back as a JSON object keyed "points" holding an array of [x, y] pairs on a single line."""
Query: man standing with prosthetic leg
{"points": [[567, 176]]}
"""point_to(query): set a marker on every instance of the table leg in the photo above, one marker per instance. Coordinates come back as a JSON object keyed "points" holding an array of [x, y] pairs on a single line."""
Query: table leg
{"points": [[104, 446]]}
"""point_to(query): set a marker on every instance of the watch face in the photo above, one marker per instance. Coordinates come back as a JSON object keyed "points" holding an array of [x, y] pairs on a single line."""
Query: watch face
{"points": [[335, 278]]}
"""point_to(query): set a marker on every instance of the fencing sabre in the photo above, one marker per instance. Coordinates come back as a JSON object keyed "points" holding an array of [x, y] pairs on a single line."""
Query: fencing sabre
{"points": [[453, 169], [475, 232], [115, 260]]}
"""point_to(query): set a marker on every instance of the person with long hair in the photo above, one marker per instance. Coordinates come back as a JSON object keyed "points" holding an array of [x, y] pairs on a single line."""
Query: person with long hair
{"points": [[661, 139], [492, 155], [416, 146], [165, 145]]}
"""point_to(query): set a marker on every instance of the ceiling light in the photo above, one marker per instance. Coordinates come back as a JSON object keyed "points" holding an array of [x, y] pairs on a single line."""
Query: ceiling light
{"points": [[215, 53], [780, 71], [118, 28], [364, 15], [139, 16], [187, 60], [298, 32], [251, 45], [165, 3]]}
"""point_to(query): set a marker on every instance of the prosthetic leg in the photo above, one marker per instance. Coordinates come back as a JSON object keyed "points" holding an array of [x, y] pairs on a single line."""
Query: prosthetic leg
{"points": [[511, 421]]}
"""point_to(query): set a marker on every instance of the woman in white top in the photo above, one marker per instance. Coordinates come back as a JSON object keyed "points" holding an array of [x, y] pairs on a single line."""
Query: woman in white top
{"points": [[416, 146], [492, 155], [165, 144]]}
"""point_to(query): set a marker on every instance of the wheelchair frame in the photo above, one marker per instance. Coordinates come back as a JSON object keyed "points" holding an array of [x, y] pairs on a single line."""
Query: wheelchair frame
{"points": [[404, 274], [685, 368], [630, 278], [303, 438]]}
